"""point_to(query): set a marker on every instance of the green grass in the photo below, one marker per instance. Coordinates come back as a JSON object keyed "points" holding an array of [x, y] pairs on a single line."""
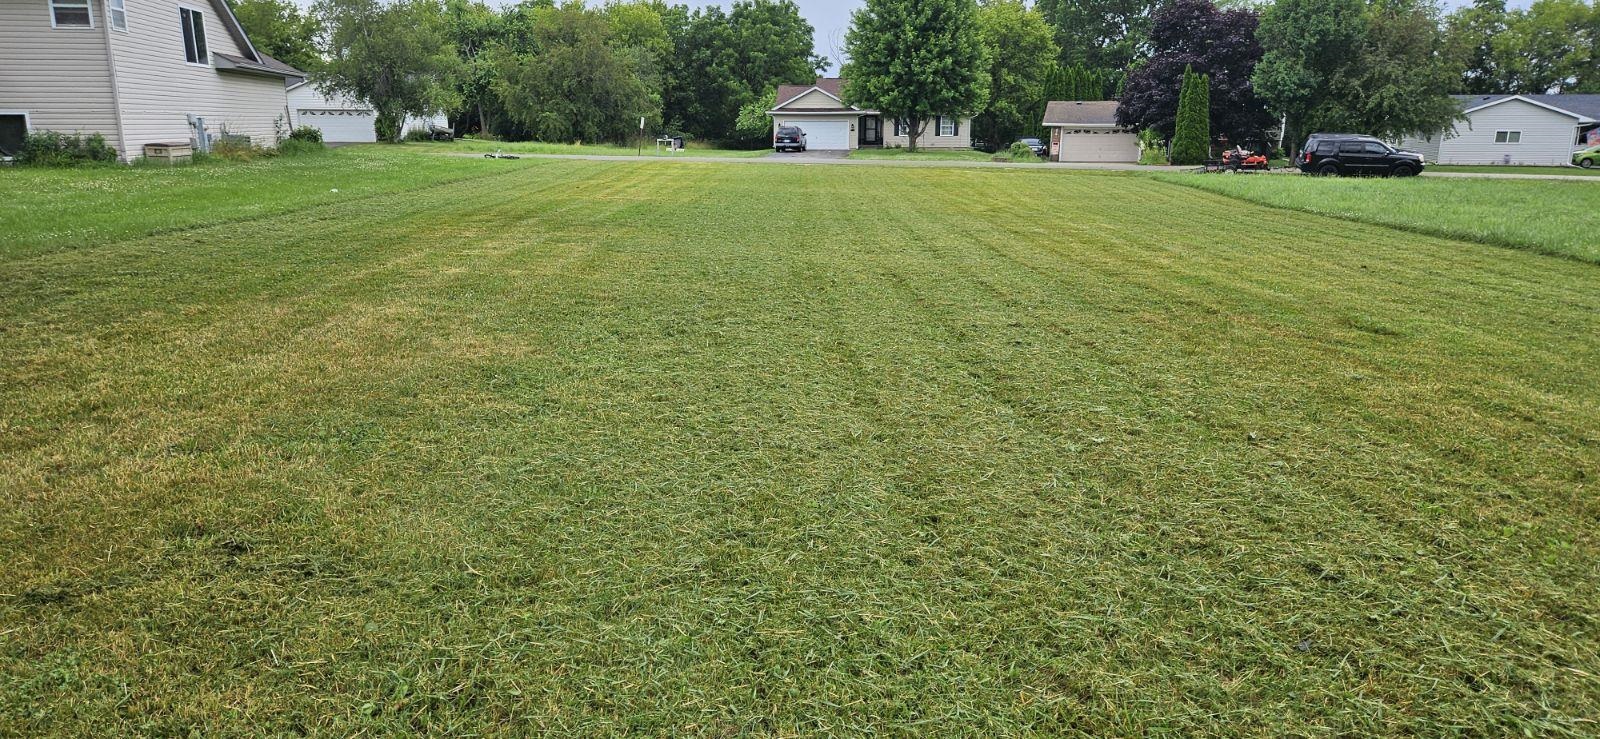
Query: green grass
{"points": [[538, 147], [589, 448], [1498, 169], [958, 155], [47, 209], [1547, 216]]}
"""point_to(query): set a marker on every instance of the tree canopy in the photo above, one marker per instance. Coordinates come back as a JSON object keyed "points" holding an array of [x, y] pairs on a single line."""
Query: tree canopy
{"points": [[584, 82], [279, 28], [1020, 53], [1099, 34], [396, 57], [914, 60], [1220, 44]]}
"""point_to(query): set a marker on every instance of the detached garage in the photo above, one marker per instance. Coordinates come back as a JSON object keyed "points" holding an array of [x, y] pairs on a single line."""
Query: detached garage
{"points": [[340, 119], [1087, 131]]}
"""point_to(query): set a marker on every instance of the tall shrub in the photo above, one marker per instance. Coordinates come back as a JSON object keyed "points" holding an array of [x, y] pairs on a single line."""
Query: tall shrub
{"points": [[1191, 139]]}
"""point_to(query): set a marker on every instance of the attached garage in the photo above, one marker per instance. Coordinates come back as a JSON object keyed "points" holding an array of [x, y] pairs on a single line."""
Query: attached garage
{"points": [[823, 134], [1087, 131]]}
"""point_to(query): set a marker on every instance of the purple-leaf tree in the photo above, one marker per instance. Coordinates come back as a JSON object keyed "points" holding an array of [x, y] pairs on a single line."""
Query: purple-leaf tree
{"points": [[1215, 42]]}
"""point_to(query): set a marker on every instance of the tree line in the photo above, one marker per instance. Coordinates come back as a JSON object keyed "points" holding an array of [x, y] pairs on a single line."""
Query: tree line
{"points": [[571, 72]]}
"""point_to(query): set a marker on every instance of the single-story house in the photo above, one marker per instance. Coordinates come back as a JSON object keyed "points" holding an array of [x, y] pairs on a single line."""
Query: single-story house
{"points": [[136, 72], [819, 110], [1087, 131], [342, 119], [1513, 129]]}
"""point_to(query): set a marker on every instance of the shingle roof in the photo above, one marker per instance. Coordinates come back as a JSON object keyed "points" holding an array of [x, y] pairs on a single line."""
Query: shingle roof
{"points": [[272, 67], [832, 85], [1586, 105], [1080, 113]]}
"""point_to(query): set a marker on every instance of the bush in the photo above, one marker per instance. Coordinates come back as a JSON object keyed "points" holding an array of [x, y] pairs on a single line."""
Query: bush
{"points": [[1152, 150], [237, 149], [417, 134], [1019, 152], [306, 133], [296, 147], [53, 149]]}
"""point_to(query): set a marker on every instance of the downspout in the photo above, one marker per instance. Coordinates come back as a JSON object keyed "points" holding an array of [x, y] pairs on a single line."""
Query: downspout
{"points": [[116, 97]]}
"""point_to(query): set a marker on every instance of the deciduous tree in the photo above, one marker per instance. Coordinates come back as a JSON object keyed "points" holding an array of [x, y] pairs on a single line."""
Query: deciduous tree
{"points": [[279, 28], [1099, 34], [915, 59], [1020, 53], [396, 57], [577, 85]]}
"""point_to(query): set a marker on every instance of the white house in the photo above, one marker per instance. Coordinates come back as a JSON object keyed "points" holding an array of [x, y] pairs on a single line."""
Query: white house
{"points": [[136, 72], [1513, 129], [341, 118], [1087, 131], [819, 110]]}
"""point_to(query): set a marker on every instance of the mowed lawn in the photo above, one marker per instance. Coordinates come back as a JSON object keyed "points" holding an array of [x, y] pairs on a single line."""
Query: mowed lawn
{"points": [[598, 448]]}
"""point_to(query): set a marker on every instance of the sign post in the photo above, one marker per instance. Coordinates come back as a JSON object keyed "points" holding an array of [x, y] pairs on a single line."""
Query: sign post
{"points": [[641, 137]]}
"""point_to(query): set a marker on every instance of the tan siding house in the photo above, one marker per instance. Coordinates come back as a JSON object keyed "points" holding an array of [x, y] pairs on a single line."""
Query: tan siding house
{"points": [[831, 125], [1513, 129], [138, 72]]}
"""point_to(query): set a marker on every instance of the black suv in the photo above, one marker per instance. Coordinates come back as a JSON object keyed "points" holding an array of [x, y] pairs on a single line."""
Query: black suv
{"points": [[789, 137], [1349, 153]]}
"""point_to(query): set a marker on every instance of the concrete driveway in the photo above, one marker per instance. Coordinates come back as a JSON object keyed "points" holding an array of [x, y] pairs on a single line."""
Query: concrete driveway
{"points": [[810, 155]]}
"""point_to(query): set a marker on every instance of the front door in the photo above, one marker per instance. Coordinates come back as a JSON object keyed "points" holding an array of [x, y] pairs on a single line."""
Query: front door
{"points": [[871, 130]]}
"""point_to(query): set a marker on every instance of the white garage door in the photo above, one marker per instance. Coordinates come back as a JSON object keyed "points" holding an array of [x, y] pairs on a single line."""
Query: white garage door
{"points": [[1099, 146], [825, 135], [341, 125]]}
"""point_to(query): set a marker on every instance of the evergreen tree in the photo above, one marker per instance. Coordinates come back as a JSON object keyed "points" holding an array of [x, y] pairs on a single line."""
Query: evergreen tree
{"points": [[1191, 143]]}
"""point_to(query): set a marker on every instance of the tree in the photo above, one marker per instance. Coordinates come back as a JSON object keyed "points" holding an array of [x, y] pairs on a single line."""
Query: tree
{"points": [[722, 61], [1306, 47], [1100, 34], [1078, 82], [913, 60], [754, 123], [1020, 53], [1471, 31], [1191, 141], [1549, 47], [280, 29], [578, 84], [1400, 81], [396, 57], [1220, 44]]}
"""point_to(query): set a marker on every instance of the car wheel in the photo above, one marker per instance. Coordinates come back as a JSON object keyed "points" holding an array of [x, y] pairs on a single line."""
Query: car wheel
{"points": [[1328, 170], [1586, 163], [1403, 170]]}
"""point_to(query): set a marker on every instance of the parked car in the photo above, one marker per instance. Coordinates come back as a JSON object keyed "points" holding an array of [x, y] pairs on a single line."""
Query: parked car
{"points": [[1036, 145], [1347, 154], [1586, 158], [789, 138]]}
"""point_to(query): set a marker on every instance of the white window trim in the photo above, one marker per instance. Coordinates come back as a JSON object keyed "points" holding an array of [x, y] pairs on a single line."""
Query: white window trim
{"points": [[50, 7], [111, 19], [202, 12], [939, 130], [1508, 140]]}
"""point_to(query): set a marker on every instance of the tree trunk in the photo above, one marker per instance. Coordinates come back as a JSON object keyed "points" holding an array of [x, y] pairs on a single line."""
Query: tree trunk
{"points": [[483, 123], [913, 132]]}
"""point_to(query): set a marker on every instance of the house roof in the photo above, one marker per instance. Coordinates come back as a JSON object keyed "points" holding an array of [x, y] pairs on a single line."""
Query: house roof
{"points": [[1080, 113], [1585, 106], [269, 68], [832, 85]]}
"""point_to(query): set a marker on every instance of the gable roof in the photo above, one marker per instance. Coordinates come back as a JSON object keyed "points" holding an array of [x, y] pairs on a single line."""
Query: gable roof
{"points": [[831, 86], [1080, 113], [1582, 107]]}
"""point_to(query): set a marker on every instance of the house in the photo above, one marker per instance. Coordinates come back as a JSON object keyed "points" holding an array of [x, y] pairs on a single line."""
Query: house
{"points": [[1087, 131], [343, 119], [136, 72], [1513, 129], [830, 124]]}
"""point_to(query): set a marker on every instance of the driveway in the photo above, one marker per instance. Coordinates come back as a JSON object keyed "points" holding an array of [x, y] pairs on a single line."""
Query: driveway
{"points": [[812, 155]]}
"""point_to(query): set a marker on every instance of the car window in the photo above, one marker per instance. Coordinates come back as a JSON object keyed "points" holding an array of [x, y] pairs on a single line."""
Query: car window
{"points": [[1326, 147], [1350, 147], [1374, 147]]}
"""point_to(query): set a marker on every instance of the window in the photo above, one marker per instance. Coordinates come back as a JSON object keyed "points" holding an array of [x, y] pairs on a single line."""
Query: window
{"points": [[1351, 147], [1508, 137], [1374, 147], [13, 129], [947, 126], [897, 127], [71, 14], [194, 36], [119, 14]]}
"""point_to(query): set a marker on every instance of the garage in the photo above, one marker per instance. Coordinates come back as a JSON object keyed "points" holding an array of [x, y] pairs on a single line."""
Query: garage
{"points": [[823, 134], [340, 125], [1092, 145], [1087, 131]]}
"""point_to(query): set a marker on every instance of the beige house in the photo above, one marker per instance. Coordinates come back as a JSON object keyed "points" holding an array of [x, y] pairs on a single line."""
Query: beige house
{"points": [[136, 72], [831, 125], [1087, 131]]}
